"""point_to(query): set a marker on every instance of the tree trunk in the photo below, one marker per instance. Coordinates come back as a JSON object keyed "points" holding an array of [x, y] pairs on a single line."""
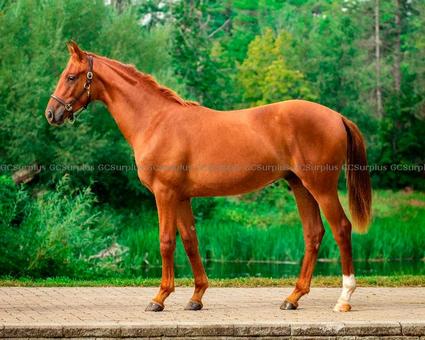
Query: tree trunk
{"points": [[397, 49], [396, 75], [378, 62], [119, 5]]}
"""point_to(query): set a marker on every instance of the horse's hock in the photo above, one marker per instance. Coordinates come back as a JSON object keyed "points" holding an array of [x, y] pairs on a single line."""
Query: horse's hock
{"points": [[229, 313]]}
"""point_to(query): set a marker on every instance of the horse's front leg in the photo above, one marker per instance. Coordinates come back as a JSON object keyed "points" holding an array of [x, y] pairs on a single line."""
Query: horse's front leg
{"points": [[186, 226], [167, 203]]}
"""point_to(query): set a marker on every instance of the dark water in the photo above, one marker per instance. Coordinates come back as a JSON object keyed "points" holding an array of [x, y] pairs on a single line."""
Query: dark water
{"points": [[279, 270]]}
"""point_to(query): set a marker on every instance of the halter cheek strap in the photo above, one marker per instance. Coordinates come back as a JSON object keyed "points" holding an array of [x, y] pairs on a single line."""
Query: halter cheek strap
{"points": [[86, 89]]}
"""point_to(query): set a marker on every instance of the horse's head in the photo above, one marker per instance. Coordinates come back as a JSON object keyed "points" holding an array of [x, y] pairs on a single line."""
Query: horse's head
{"points": [[72, 92]]}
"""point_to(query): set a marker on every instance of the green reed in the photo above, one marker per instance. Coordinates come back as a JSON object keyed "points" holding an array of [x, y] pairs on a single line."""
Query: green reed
{"points": [[251, 229]]}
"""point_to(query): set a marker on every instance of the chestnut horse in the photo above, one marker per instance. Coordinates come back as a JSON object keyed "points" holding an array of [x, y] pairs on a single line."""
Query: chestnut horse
{"points": [[184, 150]]}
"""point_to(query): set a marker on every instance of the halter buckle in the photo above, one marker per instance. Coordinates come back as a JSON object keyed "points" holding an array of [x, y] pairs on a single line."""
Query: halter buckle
{"points": [[68, 107], [89, 75], [71, 119]]}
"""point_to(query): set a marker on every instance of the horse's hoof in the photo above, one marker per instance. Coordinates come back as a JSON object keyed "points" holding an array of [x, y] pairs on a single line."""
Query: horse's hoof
{"points": [[193, 305], [154, 307], [286, 305], [342, 307]]}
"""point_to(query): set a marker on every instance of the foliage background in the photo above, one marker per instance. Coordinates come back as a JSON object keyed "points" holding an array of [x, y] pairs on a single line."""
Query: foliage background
{"points": [[225, 54]]}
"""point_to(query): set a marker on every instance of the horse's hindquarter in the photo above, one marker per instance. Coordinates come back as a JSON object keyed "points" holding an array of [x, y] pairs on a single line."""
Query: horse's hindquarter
{"points": [[317, 140], [203, 152]]}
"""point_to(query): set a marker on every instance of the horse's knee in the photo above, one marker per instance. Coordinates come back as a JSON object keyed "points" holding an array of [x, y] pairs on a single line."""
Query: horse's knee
{"points": [[167, 247], [318, 236], [313, 240], [190, 244]]}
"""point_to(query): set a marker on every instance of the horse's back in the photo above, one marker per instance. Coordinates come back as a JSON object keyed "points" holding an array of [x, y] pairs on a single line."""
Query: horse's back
{"points": [[228, 152]]}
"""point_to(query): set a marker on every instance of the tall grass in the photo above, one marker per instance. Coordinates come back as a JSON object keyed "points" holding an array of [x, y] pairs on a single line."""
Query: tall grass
{"points": [[65, 232], [265, 227]]}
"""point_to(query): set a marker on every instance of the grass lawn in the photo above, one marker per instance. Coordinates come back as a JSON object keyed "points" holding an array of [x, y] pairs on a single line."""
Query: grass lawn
{"points": [[320, 281]]}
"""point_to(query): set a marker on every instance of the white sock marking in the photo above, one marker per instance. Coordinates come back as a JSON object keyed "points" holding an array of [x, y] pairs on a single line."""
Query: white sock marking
{"points": [[348, 287]]}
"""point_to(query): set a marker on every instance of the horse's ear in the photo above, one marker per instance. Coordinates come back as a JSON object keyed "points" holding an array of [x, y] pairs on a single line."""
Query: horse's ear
{"points": [[74, 49]]}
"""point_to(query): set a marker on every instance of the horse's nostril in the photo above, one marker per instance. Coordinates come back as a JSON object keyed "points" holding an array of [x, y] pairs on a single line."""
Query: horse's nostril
{"points": [[49, 115]]}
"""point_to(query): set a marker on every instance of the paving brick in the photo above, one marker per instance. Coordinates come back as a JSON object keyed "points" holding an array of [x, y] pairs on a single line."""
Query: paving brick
{"points": [[262, 329], [193, 329], [387, 337], [84, 331], [22, 331], [231, 313], [370, 328], [413, 328], [316, 329], [314, 337], [143, 330]]}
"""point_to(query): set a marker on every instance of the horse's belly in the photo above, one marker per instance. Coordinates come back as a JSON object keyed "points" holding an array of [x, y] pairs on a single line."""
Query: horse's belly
{"points": [[234, 166], [233, 179], [229, 189]]}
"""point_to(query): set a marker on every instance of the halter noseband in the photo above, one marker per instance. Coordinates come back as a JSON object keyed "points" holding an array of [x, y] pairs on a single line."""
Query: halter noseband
{"points": [[86, 89]]}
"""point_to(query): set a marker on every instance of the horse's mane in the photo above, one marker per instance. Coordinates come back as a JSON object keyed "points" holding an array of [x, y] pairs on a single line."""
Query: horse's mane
{"points": [[148, 80]]}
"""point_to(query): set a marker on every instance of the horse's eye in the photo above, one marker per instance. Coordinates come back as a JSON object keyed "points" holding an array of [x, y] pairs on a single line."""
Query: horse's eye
{"points": [[71, 77]]}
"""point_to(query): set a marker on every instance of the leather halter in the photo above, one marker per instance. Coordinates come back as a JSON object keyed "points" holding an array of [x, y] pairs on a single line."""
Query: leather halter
{"points": [[86, 89]]}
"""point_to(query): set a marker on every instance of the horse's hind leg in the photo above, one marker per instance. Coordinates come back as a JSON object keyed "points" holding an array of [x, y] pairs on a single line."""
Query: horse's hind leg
{"points": [[313, 234], [341, 230], [186, 227]]}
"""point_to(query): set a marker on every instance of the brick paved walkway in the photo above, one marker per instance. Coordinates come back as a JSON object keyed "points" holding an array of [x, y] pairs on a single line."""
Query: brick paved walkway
{"points": [[231, 312]]}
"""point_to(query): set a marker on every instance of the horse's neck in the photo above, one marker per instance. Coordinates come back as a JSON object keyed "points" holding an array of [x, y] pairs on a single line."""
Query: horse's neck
{"points": [[131, 104]]}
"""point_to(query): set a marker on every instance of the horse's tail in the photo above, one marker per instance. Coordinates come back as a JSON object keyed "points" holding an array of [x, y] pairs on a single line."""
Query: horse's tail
{"points": [[358, 180]]}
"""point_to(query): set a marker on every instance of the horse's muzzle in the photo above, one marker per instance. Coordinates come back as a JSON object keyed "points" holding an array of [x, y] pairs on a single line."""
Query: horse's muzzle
{"points": [[49, 115], [55, 117]]}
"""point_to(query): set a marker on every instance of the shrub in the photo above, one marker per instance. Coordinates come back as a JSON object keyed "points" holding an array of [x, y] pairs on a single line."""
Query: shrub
{"points": [[51, 234]]}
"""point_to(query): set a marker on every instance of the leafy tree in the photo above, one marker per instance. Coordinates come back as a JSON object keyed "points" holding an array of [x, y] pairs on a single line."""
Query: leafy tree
{"points": [[33, 54], [223, 54], [265, 74], [404, 121], [191, 52]]}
